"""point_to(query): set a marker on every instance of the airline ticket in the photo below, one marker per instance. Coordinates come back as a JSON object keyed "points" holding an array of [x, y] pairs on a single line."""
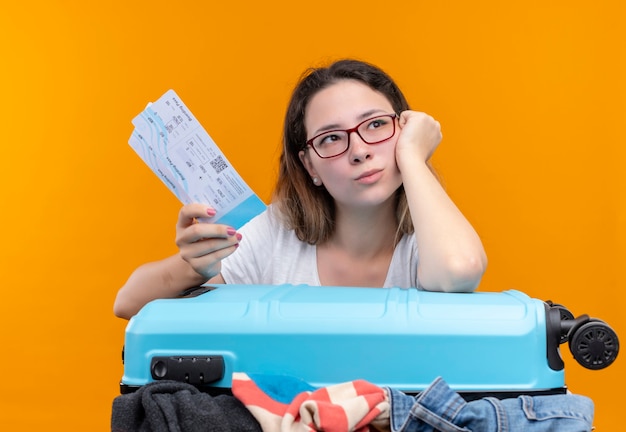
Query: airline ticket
{"points": [[173, 143]]}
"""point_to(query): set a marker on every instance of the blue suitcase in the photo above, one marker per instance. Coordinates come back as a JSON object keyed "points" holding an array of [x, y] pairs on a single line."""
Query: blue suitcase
{"points": [[484, 343]]}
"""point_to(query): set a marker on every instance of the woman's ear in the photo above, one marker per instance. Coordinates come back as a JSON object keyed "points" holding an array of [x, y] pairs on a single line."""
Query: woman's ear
{"points": [[306, 161]]}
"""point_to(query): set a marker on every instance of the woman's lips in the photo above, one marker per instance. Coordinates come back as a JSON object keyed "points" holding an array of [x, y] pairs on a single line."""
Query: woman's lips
{"points": [[369, 177]]}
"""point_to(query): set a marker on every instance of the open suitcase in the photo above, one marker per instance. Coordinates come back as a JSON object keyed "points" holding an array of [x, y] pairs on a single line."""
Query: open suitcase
{"points": [[485, 343]]}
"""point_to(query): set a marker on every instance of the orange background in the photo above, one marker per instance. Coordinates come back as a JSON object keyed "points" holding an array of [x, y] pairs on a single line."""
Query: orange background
{"points": [[531, 96]]}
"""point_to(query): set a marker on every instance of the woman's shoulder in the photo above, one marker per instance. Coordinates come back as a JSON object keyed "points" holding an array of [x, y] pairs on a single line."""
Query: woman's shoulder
{"points": [[268, 227], [269, 218]]}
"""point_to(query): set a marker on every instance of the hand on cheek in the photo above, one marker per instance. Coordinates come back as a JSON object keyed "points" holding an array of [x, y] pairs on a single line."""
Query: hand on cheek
{"points": [[419, 136]]}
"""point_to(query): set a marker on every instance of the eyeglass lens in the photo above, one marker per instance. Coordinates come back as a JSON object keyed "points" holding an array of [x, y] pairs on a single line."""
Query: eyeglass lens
{"points": [[371, 131]]}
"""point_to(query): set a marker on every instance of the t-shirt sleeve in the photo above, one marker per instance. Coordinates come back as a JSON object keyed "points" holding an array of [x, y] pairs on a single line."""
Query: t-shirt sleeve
{"points": [[403, 267]]}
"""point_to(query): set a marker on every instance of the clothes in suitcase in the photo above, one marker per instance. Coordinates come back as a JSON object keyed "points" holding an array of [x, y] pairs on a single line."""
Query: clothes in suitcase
{"points": [[481, 343]]}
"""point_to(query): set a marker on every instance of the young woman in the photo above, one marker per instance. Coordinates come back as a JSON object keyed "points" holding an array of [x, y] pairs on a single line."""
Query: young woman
{"points": [[355, 203]]}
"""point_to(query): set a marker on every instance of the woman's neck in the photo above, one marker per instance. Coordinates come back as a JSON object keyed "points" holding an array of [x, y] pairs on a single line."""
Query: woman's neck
{"points": [[364, 232], [361, 249]]}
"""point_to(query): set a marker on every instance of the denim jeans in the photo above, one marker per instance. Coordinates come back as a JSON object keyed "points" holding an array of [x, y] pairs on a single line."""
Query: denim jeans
{"points": [[439, 408]]}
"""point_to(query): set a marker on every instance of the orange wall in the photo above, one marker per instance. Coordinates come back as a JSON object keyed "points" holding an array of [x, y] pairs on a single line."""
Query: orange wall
{"points": [[531, 96]]}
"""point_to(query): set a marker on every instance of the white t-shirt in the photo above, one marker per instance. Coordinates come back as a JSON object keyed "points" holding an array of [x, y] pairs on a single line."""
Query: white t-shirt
{"points": [[269, 254]]}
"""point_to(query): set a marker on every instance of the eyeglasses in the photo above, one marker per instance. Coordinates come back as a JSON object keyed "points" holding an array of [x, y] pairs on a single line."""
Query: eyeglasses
{"points": [[336, 142]]}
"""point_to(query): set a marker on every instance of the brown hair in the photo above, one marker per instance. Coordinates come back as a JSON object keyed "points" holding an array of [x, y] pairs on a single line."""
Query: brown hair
{"points": [[308, 209]]}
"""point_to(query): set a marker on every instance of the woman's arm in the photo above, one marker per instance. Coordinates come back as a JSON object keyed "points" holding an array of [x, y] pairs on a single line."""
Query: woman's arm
{"points": [[202, 246], [160, 279], [451, 254]]}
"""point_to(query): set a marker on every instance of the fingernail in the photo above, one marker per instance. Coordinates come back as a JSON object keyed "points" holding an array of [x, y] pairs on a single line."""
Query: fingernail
{"points": [[239, 236], [211, 212], [231, 231]]}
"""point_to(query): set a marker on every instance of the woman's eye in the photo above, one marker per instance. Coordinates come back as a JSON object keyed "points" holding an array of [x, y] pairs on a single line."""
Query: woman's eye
{"points": [[328, 139], [376, 124]]}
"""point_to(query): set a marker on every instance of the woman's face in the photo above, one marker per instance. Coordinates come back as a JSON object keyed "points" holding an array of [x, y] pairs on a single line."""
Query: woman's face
{"points": [[366, 174]]}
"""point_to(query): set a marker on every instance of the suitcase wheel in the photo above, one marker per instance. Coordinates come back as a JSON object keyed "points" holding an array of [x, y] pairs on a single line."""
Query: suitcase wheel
{"points": [[593, 344]]}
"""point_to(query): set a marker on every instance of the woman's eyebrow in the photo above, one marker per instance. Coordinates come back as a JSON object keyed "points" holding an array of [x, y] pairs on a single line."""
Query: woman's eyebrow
{"points": [[361, 117], [371, 112], [328, 127]]}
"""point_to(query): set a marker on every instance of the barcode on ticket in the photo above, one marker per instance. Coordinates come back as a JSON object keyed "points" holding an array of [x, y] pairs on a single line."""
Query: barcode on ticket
{"points": [[219, 164]]}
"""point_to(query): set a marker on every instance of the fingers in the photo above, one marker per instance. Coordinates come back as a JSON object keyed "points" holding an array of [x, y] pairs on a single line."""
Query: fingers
{"points": [[420, 134], [417, 116], [205, 258], [421, 124], [189, 213], [202, 231], [205, 245]]}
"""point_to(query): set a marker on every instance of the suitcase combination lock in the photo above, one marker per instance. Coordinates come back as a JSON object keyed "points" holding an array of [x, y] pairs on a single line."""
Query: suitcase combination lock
{"points": [[195, 370]]}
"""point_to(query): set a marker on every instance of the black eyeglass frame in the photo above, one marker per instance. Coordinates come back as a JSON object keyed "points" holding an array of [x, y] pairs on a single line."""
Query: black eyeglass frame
{"points": [[309, 142]]}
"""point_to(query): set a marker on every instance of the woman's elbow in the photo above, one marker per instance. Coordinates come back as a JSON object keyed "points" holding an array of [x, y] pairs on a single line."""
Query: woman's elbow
{"points": [[122, 308], [459, 274], [466, 274]]}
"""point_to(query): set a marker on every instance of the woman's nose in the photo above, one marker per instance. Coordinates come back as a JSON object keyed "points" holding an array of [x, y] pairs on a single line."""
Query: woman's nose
{"points": [[359, 149]]}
